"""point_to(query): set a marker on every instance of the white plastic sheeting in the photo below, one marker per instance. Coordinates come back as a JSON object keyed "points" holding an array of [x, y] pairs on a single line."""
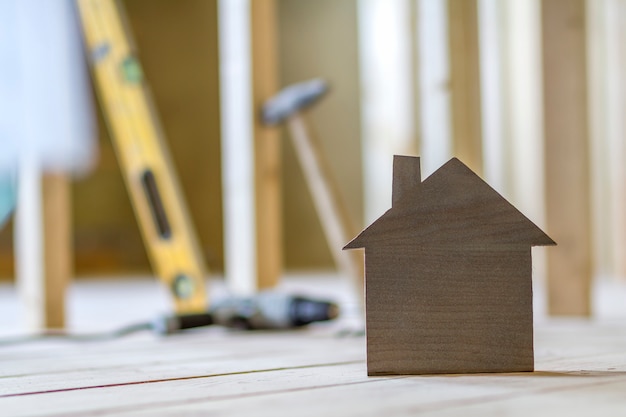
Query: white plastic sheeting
{"points": [[45, 105]]}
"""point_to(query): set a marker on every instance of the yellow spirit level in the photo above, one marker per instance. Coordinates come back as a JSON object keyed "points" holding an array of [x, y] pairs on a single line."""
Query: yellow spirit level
{"points": [[143, 155]]}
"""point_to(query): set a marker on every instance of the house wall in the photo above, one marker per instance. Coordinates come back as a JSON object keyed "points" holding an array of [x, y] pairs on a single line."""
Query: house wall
{"points": [[448, 310]]}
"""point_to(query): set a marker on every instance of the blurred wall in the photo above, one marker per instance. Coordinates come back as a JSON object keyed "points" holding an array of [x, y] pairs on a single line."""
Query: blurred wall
{"points": [[177, 47], [177, 44]]}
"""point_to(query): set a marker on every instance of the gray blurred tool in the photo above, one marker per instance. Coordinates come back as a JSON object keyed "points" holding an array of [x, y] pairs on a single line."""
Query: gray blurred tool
{"points": [[267, 310], [287, 106], [264, 311]]}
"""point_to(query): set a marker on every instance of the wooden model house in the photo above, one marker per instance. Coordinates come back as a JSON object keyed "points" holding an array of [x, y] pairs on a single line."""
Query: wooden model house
{"points": [[448, 276]]}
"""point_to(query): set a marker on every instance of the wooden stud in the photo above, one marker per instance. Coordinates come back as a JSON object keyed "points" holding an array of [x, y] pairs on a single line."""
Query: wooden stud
{"points": [[388, 80], [43, 247], [465, 81], [607, 97], [266, 145], [58, 246], [566, 155], [511, 102], [250, 152], [448, 277], [434, 83]]}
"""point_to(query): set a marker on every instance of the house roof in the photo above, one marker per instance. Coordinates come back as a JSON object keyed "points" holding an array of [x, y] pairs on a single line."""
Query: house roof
{"points": [[453, 206]]}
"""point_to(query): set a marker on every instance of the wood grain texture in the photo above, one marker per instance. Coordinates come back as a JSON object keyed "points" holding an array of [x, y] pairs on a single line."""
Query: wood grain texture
{"points": [[448, 277], [567, 156], [465, 82], [43, 247], [58, 247], [407, 175], [453, 206], [579, 364], [181, 376], [448, 310], [266, 145]]}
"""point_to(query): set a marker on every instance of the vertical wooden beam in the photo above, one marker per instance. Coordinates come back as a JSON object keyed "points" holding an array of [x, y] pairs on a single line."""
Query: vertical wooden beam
{"points": [[250, 153], [434, 92], [601, 28], [43, 246], [387, 54], [620, 143], [267, 144], [57, 246], [566, 156], [465, 82], [615, 12], [493, 95], [524, 147], [606, 22]]}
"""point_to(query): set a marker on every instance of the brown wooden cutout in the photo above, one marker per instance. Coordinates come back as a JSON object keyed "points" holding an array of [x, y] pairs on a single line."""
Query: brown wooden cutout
{"points": [[448, 276]]}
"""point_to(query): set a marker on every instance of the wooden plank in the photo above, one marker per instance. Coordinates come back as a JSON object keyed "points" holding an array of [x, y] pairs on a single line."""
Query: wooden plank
{"points": [[266, 144], [511, 103], [446, 396], [43, 246], [413, 325], [159, 396], [580, 370], [465, 82], [607, 97], [250, 152], [388, 115], [567, 370], [434, 89], [353, 398], [29, 246], [566, 155], [58, 253], [185, 361], [493, 95]]}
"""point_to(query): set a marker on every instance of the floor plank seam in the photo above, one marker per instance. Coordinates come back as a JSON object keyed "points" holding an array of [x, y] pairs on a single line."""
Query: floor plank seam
{"points": [[173, 403], [183, 378]]}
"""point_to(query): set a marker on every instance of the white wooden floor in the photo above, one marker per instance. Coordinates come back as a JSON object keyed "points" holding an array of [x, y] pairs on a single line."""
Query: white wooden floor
{"points": [[581, 370]]}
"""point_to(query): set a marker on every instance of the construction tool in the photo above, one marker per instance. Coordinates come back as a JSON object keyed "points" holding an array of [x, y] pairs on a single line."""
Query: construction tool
{"points": [[267, 310], [288, 106], [143, 155]]}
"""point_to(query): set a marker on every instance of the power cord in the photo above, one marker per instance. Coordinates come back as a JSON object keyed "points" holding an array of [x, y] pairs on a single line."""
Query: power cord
{"points": [[51, 334]]}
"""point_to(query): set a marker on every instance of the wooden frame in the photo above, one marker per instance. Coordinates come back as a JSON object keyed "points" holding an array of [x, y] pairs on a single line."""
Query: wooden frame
{"points": [[43, 246], [566, 153], [250, 152]]}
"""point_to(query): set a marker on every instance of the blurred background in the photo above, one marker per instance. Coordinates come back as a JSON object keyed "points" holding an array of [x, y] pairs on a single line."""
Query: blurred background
{"points": [[528, 94]]}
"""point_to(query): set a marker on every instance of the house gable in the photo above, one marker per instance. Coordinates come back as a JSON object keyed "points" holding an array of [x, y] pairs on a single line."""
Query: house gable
{"points": [[453, 206]]}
